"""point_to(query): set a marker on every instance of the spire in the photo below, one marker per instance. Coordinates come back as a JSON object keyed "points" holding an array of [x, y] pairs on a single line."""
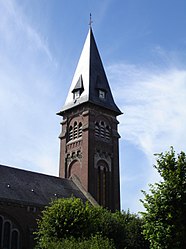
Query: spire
{"points": [[90, 83]]}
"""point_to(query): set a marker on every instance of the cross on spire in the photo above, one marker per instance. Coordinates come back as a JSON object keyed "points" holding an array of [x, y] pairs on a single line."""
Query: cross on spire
{"points": [[90, 22]]}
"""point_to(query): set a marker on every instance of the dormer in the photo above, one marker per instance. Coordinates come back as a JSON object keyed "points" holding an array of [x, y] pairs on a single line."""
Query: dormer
{"points": [[78, 89]]}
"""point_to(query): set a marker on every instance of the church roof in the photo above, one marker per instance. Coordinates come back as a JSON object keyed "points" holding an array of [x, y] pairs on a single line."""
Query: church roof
{"points": [[90, 81], [26, 187]]}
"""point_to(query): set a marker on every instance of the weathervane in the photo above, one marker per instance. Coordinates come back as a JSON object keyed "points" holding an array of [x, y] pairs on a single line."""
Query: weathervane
{"points": [[90, 22]]}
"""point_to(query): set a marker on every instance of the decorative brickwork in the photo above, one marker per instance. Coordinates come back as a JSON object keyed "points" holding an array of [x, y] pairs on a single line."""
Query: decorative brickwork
{"points": [[92, 157]]}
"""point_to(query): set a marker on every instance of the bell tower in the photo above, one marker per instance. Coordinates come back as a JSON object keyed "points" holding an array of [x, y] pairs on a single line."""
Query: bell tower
{"points": [[89, 137]]}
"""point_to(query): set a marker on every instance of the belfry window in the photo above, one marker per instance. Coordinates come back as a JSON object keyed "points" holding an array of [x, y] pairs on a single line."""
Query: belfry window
{"points": [[107, 132], [70, 133], [97, 129], [75, 131], [102, 130], [80, 130]]}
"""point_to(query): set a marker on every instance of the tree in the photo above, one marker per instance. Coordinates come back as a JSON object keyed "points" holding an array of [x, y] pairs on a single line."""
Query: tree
{"points": [[165, 204], [131, 236], [67, 222]]}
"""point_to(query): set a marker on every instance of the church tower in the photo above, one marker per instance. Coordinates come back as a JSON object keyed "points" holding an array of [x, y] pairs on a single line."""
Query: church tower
{"points": [[89, 137]]}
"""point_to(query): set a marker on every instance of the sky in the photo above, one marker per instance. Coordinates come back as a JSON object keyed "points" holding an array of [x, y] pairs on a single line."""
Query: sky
{"points": [[143, 48]]}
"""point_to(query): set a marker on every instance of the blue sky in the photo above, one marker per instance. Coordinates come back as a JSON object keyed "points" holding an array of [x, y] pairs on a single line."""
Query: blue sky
{"points": [[143, 49]]}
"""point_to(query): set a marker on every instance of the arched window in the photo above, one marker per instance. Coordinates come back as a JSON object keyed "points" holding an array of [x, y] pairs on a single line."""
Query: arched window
{"points": [[102, 130], [70, 133], [97, 129], [14, 239], [107, 133], [6, 235], [75, 130], [1, 229], [9, 234], [80, 130], [98, 185], [102, 185]]}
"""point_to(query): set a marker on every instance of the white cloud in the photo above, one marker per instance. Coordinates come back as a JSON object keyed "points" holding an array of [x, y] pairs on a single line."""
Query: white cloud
{"points": [[154, 106], [153, 101], [15, 29], [28, 124]]}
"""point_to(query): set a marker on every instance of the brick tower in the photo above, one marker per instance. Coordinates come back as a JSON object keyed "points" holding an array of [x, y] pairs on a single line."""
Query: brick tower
{"points": [[89, 137]]}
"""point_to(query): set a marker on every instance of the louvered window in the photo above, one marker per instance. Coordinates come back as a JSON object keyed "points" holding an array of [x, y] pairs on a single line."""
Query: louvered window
{"points": [[75, 130], [70, 133], [107, 133], [102, 130], [97, 129], [80, 130]]}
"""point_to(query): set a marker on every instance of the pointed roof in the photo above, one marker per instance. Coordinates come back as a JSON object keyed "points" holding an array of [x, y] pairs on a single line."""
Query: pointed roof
{"points": [[90, 81]]}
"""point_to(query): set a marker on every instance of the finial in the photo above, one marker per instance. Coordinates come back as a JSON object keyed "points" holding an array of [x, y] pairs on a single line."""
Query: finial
{"points": [[90, 22]]}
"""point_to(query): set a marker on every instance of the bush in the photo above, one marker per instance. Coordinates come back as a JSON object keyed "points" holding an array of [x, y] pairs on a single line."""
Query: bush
{"points": [[68, 222], [95, 242]]}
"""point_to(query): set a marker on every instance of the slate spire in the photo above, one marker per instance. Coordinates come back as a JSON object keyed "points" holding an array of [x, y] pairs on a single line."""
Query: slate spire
{"points": [[90, 83]]}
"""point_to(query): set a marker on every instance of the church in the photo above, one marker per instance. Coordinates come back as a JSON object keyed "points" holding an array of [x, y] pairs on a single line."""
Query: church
{"points": [[88, 160]]}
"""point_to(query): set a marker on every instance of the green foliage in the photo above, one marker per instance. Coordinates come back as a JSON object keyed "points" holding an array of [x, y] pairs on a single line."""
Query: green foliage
{"points": [[165, 216], [130, 230], [94, 242], [63, 219], [69, 221]]}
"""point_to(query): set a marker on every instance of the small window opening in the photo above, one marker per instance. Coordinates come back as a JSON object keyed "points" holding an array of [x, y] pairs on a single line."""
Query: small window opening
{"points": [[107, 133], [76, 94], [102, 94], [102, 130], [80, 130], [75, 130], [70, 133], [97, 129]]}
